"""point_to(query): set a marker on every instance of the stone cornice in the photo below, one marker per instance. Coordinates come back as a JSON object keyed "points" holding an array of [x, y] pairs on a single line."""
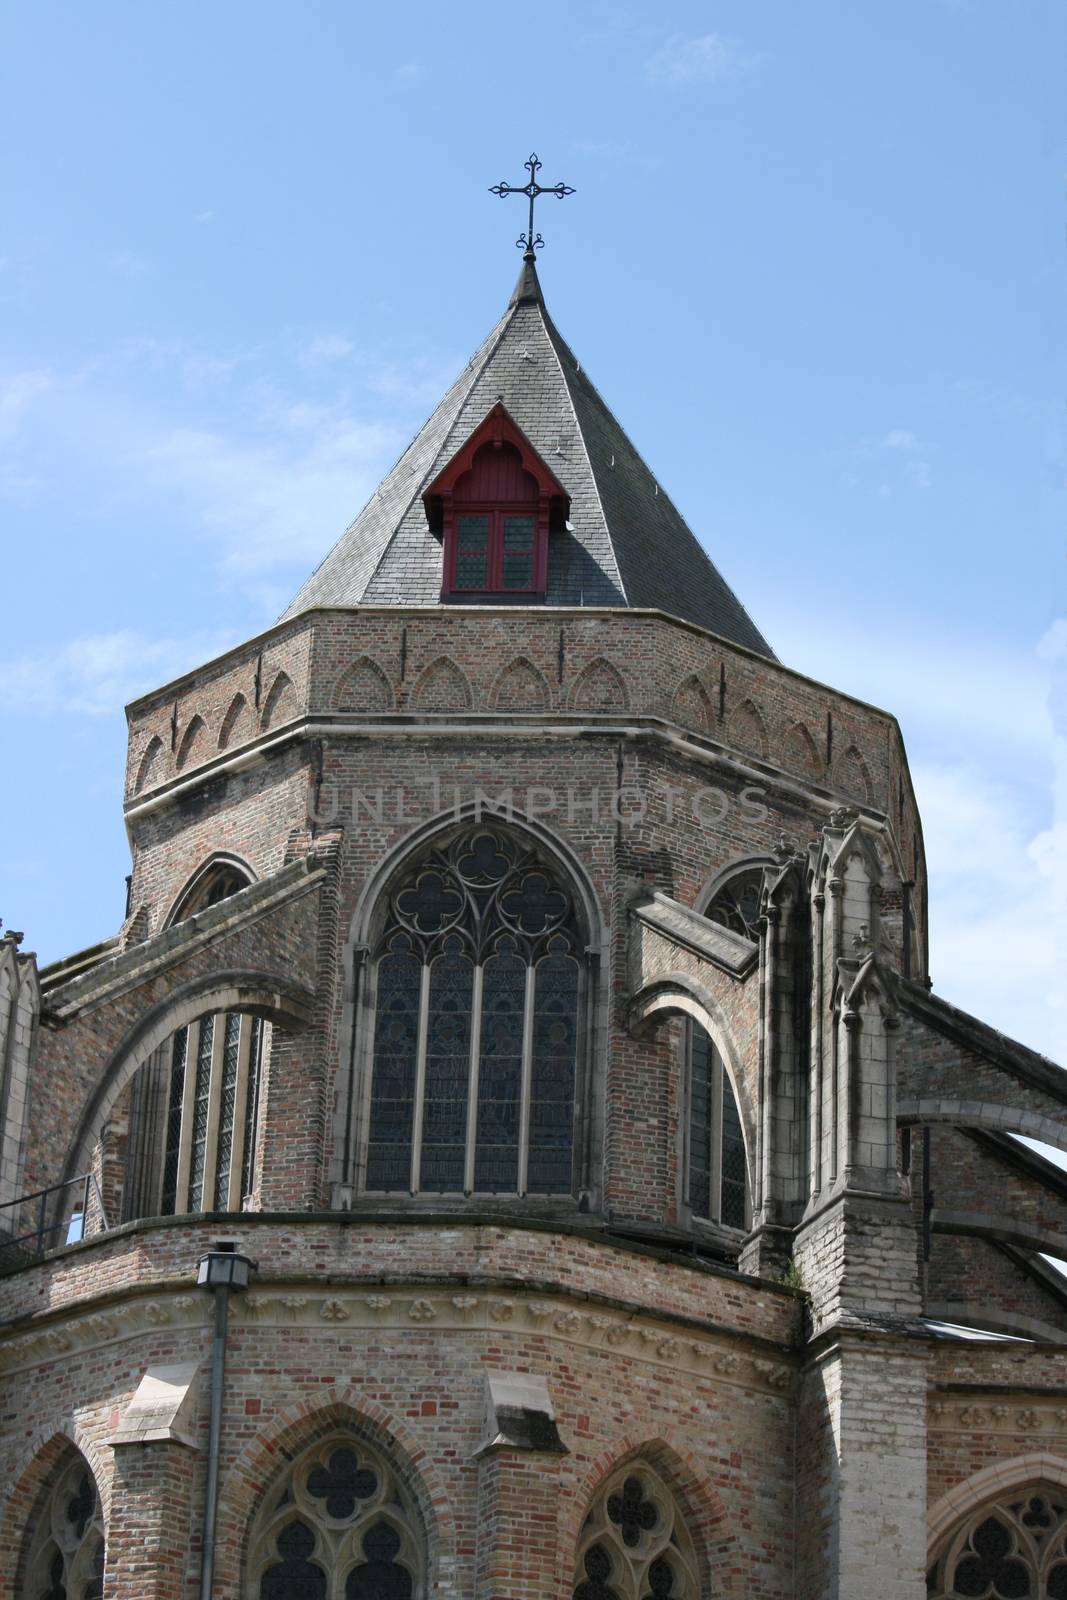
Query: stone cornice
{"points": [[499, 1306]]}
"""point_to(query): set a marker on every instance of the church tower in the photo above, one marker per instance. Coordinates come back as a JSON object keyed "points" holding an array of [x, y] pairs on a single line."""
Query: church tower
{"points": [[511, 1149]]}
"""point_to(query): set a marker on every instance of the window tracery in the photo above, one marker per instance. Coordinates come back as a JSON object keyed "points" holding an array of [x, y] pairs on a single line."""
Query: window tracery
{"points": [[479, 992], [716, 1169], [338, 1526], [634, 1544], [66, 1558], [212, 884], [194, 1110], [736, 905], [1015, 1550]]}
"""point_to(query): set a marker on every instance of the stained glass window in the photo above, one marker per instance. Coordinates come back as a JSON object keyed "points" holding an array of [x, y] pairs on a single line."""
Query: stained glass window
{"points": [[634, 1544], [716, 1167], [478, 995], [339, 1525], [204, 1156], [737, 903], [1016, 1550], [66, 1556]]}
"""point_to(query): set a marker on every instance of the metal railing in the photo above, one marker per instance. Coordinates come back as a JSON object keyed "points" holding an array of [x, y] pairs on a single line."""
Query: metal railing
{"points": [[64, 1213]]}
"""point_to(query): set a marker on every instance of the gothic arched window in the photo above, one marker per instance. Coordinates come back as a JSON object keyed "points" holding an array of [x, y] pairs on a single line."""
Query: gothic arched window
{"points": [[65, 1560], [716, 1182], [1016, 1550], [634, 1544], [194, 1109], [216, 881], [736, 903], [338, 1526], [478, 993]]}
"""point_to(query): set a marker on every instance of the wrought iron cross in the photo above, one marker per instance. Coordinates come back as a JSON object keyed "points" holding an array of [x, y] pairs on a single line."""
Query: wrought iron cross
{"points": [[529, 241]]}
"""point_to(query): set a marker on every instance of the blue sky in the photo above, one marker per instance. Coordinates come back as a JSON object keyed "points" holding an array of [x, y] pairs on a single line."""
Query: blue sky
{"points": [[814, 262]]}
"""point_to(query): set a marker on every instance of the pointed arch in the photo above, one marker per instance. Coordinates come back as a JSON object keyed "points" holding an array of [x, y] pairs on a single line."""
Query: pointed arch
{"points": [[442, 686], [236, 723], [54, 1521], [1002, 1478], [748, 730], [299, 1428], [720, 1570], [363, 687], [215, 879], [856, 776], [280, 705], [691, 705], [799, 750], [193, 740], [1001, 1531], [146, 772], [520, 686], [600, 686]]}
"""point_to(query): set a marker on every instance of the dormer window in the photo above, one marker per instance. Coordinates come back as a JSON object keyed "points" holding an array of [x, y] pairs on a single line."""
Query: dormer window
{"points": [[494, 507]]}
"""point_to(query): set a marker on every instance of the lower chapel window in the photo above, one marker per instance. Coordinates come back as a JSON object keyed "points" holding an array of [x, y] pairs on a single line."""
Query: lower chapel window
{"points": [[478, 997], [66, 1557], [716, 1148], [193, 1115], [634, 1545], [339, 1526], [1013, 1551]]}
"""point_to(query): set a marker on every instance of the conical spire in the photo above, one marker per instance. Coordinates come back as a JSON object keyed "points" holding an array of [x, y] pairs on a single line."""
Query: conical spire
{"points": [[626, 544]]}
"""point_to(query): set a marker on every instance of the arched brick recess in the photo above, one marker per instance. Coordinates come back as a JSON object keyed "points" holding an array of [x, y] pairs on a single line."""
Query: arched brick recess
{"points": [[799, 752], [292, 1431], [149, 762], [520, 687], [363, 687], [984, 1114], [193, 738], [265, 994], [691, 705], [748, 730], [856, 776], [281, 702], [600, 687], [701, 1505], [442, 687], [44, 1456], [992, 1483], [235, 724]]}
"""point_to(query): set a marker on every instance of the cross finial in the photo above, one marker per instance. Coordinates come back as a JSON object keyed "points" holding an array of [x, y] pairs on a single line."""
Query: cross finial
{"points": [[529, 241]]}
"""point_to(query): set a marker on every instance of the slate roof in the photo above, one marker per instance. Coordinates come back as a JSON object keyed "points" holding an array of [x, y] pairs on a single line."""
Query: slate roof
{"points": [[628, 545]]}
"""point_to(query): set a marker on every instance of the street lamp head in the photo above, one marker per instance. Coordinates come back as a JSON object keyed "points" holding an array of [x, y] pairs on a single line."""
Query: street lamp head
{"points": [[224, 1269]]}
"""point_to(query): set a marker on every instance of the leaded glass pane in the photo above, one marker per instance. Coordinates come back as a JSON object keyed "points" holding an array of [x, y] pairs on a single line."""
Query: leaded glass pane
{"points": [[379, 1576], [473, 530], [991, 1566], [555, 1049], [444, 1114], [393, 1085], [737, 904], [496, 1158], [176, 1094], [227, 1107], [201, 1111], [248, 1154], [700, 1122], [295, 1576], [472, 552], [732, 1211]]}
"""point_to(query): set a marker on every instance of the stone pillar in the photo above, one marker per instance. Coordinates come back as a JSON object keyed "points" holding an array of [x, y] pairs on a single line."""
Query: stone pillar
{"points": [[861, 1472]]}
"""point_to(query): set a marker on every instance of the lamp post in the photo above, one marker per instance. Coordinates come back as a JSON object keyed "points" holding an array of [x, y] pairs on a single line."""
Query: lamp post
{"points": [[221, 1270]]}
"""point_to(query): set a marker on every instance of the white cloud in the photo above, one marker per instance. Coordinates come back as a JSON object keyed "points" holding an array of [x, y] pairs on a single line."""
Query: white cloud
{"points": [[97, 673], [125, 264], [407, 76], [324, 349], [900, 439], [18, 393], [706, 58]]}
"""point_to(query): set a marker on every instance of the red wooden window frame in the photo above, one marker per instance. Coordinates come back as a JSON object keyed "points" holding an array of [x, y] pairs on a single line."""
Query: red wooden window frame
{"points": [[449, 498]]}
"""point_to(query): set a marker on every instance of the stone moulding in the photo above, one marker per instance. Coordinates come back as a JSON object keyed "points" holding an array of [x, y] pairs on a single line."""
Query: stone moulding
{"points": [[655, 1340]]}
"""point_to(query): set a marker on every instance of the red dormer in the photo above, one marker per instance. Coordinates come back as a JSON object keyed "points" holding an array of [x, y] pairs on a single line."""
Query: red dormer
{"points": [[494, 506]]}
